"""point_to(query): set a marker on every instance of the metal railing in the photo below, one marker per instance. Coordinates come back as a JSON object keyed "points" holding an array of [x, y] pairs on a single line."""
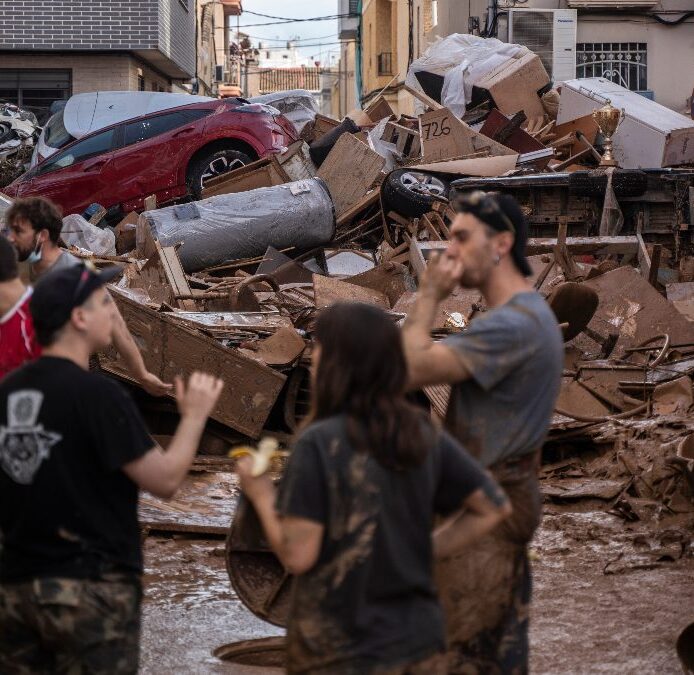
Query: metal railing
{"points": [[625, 63]]}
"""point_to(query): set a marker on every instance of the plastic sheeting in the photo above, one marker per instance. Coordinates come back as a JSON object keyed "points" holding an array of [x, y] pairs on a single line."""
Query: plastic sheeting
{"points": [[462, 60], [297, 105], [81, 233], [244, 224]]}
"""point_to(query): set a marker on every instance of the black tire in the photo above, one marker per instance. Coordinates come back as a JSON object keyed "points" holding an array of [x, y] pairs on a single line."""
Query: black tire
{"points": [[214, 164], [412, 193]]}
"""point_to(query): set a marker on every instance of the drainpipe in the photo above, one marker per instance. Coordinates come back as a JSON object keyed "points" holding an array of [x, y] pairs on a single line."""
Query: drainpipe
{"points": [[492, 7], [357, 56]]}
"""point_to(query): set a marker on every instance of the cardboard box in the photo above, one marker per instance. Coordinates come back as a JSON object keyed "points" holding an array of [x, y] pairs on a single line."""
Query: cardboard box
{"points": [[651, 135], [514, 85]]}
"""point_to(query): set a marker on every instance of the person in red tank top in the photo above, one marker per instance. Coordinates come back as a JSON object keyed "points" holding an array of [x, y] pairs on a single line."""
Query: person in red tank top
{"points": [[17, 342]]}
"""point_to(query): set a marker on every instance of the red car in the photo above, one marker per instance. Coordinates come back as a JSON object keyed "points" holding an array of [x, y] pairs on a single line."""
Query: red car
{"points": [[169, 154]]}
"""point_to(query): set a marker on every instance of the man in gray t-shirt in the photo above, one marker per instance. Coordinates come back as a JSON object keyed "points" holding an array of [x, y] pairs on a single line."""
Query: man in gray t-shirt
{"points": [[505, 372]]}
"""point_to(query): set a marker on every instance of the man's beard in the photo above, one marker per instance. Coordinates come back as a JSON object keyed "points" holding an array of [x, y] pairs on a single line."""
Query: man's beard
{"points": [[23, 254]]}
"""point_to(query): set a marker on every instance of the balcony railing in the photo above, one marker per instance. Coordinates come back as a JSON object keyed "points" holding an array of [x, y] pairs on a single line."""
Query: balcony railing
{"points": [[385, 63]]}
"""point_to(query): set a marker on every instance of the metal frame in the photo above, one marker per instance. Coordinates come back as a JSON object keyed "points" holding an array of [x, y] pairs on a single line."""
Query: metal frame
{"points": [[625, 63]]}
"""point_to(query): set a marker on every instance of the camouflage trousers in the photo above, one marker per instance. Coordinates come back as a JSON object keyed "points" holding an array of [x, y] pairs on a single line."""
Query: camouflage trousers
{"points": [[70, 626], [485, 591]]}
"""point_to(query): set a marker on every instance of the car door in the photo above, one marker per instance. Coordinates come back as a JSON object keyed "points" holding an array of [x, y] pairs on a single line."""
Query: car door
{"points": [[151, 150], [77, 175]]}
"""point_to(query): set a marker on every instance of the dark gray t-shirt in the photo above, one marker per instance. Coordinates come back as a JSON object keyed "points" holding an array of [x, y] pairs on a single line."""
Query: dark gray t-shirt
{"points": [[369, 600], [515, 354]]}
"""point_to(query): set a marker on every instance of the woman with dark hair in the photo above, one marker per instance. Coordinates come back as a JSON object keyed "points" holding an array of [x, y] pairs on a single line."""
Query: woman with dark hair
{"points": [[355, 511]]}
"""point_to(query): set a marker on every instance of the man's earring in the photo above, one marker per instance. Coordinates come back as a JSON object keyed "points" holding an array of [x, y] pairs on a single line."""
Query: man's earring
{"points": [[497, 259]]}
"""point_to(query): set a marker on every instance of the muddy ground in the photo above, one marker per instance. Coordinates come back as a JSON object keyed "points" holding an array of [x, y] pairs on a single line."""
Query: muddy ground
{"points": [[584, 621]]}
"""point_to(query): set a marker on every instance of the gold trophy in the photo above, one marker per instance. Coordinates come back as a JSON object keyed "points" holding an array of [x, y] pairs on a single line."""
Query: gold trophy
{"points": [[608, 119]]}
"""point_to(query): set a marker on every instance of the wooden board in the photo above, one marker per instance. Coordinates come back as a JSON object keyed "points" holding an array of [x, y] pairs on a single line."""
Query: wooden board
{"points": [[175, 275], [349, 170], [585, 245], [205, 503], [263, 173], [379, 109], [169, 349], [329, 291], [441, 137], [631, 305]]}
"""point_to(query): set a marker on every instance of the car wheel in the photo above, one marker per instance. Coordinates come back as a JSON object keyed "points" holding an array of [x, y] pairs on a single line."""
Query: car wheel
{"points": [[212, 165], [412, 193]]}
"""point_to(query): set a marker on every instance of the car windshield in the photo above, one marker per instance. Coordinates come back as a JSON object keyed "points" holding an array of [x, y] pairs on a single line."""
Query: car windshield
{"points": [[55, 134]]}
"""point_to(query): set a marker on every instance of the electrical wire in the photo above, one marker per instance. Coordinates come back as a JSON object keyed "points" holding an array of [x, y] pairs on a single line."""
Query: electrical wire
{"points": [[283, 23], [289, 18]]}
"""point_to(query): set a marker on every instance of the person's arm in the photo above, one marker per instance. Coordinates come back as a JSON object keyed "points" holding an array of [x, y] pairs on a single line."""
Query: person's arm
{"points": [[126, 347], [429, 362], [295, 541], [482, 511], [160, 472]]}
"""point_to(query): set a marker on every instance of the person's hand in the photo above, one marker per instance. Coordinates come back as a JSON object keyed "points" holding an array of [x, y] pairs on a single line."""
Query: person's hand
{"points": [[198, 397], [253, 487], [442, 276], [154, 386]]}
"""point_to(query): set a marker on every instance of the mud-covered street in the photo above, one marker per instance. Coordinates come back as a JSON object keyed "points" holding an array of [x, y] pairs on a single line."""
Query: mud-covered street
{"points": [[583, 620]]}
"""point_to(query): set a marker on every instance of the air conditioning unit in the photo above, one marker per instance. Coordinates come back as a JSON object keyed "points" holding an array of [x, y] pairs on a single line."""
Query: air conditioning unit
{"points": [[551, 34], [219, 73]]}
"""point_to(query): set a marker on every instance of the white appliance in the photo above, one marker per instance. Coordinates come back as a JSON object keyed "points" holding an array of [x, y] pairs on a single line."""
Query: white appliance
{"points": [[551, 34], [651, 135]]}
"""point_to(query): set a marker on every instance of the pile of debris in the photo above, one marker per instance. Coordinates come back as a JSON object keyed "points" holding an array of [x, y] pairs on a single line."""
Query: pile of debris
{"points": [[231, 284], [19, 131]]}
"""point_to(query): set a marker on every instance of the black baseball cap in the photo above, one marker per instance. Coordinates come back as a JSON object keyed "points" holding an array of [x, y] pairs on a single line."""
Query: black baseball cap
{"points": [[503, 214], [57, 293]]}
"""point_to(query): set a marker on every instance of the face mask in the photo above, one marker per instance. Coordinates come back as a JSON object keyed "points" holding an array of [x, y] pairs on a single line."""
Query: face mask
{"points": [[35, 255]]}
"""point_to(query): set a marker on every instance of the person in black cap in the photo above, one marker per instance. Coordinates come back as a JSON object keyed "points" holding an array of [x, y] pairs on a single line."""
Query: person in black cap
{"points": [[505, 372], [73, 453]]}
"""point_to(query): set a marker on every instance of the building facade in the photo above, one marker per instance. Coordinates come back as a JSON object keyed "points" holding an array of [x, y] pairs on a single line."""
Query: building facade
{"points": [[644, 45], [218, 70], [52, 50]]}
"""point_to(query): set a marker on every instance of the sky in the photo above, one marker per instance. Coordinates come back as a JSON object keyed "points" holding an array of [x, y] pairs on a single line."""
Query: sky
{"points": [[321, 34]]}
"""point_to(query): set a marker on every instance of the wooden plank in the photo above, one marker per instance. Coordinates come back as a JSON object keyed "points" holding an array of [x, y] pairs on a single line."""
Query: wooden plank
{"points": [[368, 200], [329, 291], [263, 173], [426, 100], [175, 275], [349, 170], [585, 245], [205, 503], [150, 203], [536, 246], [170, 348], [379, 109]]}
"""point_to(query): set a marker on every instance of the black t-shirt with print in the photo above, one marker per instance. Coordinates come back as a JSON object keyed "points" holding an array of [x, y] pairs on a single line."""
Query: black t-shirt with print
{"points": [[370, 598], [66, 507]]}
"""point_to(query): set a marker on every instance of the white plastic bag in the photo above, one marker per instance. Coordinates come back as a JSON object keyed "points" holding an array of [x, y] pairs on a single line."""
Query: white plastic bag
{"points": [[79, 232]]}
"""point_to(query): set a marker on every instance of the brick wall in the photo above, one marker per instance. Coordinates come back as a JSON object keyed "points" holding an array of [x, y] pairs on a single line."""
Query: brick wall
{"points": [[103, 25], [94, 72]]}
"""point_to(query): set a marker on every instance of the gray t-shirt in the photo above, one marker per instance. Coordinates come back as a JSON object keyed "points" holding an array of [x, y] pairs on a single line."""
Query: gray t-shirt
{"points": [[515, 355], [63, 261]]}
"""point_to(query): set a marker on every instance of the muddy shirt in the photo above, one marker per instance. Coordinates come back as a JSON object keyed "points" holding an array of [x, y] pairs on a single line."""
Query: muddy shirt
{"points": [[515, 355], [66, 508], [370, 597]]}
